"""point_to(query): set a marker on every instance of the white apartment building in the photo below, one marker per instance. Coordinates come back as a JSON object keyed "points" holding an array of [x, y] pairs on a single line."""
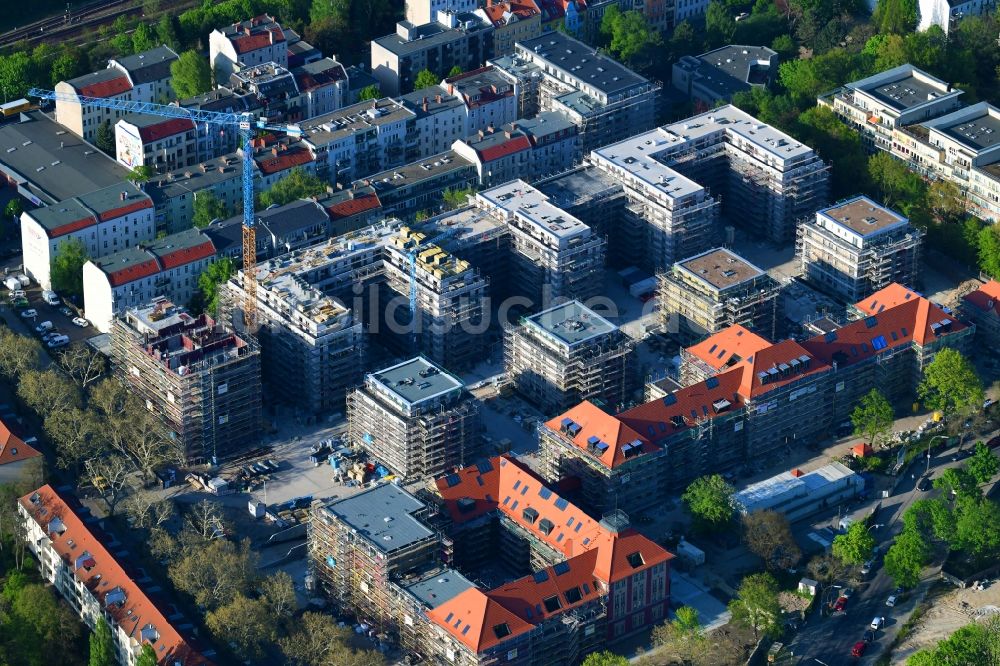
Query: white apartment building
{"points": [[419, 12], [947, 13], [149, 73], [323, 87], [490, 98], [105, 221], [174, 192], [253, 42], [168, 267], [94, 583], [162, 143], [440, 119]]}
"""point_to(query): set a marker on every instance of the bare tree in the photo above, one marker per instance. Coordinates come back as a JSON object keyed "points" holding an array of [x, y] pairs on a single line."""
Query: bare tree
{"points": [[48, 391], [148, 444], [769, 536], [110, 476], [110, 399], [204, 520], [75, 433], [147, 510], [83, 363], [18, 353]]}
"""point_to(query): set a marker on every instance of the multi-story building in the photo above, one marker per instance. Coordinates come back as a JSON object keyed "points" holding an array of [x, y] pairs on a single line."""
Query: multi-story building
{"points": [[80, 566], [708, 292], [686, 10], [312, 348], [578, 583], [982, 308], [46, 165], [143, 77], [323, 87], [554, 255], [605, 100], [513, 21], [17, 456], [877, 105], [200, 378], [714, 77], [352, 209], [440, 119], [616, 466], [417, 187], [718, 352], [797, 495], [593, 16], [104, 221], [568, 354], [857, 247], [246, 44], [947, 13], [416, 418], [164, 144], [666, 216], [598, 199], [213, 141], [275, 88], [419, 12], [526, 149], [165, 267], [459, 39], [451, 310], [174, 192], [280, 229], [490, 98], [275, 159]]}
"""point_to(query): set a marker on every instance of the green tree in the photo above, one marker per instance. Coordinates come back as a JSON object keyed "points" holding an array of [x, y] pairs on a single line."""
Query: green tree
{"points": [[216, 274], [67, 267], [147, 657], [709, 500], [756, 606], [896, 16], [630, 33], [215, 572], [105, 138], [972, 644], [682, 637], [719, 24], [906, 558], [166, 31], [102, 646], [69, 64], [977, 526], [873, 417], [14, 208], [321, 10], [983, 465], [245, 622], [958, 482], [945, 201], [143, 38], [298, 184], [605, 658], [458, 198], [837, 143], [369, 92], [455, 71], [141, 174], [208, 207], [988, 247], [18, 72], [425, 79], [316, 640], [785, 46], [190, 75], [855, 545], [683, 41], [950, 383]]}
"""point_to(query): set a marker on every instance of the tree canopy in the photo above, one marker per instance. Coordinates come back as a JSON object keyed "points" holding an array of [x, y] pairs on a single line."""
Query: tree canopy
{"points": [[190, 75], [425, 79], [756, 605], [769, 536], [217, 273], [950, 383], [369, 92], [709, 500], [983, 465], [298, 184], [907, 557], [67, 267], [855, 545], [207, 207], [605, 658], [873, 417]]}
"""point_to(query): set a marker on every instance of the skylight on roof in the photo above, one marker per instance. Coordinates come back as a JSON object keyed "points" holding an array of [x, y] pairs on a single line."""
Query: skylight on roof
{"points": [[501, 630]]}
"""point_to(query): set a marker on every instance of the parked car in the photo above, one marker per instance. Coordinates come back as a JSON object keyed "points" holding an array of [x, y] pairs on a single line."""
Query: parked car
{"points": [[81, 322], [877, 623], [23, 279], [925, 484], [58, 341], [30, 313], [50, 297], [840, 605], [48, 335], [17, 293], [859, 649], [866, 568], [44, 327], [891, 601], [20, 303], [66, 311]]}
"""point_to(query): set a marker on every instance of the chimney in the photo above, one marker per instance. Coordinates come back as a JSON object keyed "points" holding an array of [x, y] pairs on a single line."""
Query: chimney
{"points": [[276, 149], [124, 196], [490, 128], [513, 126], [481, 134], [246, 31], [451, 88], [425, 105], [437, 99], [507, 134]]}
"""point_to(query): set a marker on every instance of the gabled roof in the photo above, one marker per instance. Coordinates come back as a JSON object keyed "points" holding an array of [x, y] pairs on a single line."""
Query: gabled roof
{"points": [[161, 127], [784, 362], [888, 297], [986, 298], [728, 346], [595, 425], [509, 147], [119, 595], [289, 158], [478, 621], [12, 448], [349, 207], [102, 83]]}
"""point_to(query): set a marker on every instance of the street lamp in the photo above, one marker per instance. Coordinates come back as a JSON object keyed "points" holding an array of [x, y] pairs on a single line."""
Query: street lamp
{"points": [[929, 445]]}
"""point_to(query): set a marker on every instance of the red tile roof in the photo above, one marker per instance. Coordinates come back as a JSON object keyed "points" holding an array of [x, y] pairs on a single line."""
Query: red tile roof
{"points": [[187, 255], [122, 211], [509, 147], [12, 448], [888, 297], [287, 159], [353, 206], [986, 298], [257, 39], [523, 10], [728, 346], [168, 127], [593, 552], [594, 422], [103, 575], [70, 227], [109, 88], [797, 360], [134, 272]]}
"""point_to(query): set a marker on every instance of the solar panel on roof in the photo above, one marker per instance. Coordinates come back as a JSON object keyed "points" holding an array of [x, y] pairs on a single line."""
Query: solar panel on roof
{"points": [[540, 576], [712, 382], [452, 480], [544, 492], [561, 567], [484, 466], [561, 504], [669, 399], [879, 342]]}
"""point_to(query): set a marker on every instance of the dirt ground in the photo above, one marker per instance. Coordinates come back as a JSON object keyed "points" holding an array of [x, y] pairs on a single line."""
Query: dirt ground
{"points": [[946, 615]]}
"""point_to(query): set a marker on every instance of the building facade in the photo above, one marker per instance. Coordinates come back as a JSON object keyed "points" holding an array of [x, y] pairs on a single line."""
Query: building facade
{"points": [[245, 44], [163, 144]]}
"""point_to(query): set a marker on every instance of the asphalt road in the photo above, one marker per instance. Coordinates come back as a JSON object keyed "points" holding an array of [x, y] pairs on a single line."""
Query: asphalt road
{"points": [[829, 640]]}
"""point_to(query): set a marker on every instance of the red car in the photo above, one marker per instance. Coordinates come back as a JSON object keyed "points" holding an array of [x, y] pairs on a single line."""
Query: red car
{"points": [[859, 648], [838, 606]]}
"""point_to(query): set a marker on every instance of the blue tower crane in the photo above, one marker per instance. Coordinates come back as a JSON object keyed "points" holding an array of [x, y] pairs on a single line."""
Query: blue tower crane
{"points": [[246, 124]]}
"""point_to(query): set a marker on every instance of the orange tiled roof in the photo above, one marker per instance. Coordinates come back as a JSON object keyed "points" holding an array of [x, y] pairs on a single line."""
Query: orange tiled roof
{"points": [[888, 297], [110, 88], [791, 361], [134, 272], [509, 147], [101, 573], [168, 127], [70, 227], [593, 552], [353, 206], [986, 298], [122, 211], [728, 346], [12, 448], [596, 423], [287, 159], [187, 255]]}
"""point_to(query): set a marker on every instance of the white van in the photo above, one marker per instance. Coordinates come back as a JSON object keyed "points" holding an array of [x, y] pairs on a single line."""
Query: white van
{"points": [[11, 283], [23, 279], [50, 297]]}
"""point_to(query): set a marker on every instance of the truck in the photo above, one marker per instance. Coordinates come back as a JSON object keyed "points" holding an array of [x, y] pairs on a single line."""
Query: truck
{"points": [[11, 283]]}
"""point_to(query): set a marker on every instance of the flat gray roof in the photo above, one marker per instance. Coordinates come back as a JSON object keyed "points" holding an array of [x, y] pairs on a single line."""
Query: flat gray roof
{"points": [[440, 587], [58, 164], [720, 268], [437, 101], [572, 322], [417, 380], [863, 216], [582, 62], [430, 35], [977, 133], [384, 515], [578, 186], [351, 119], [406, 175]]}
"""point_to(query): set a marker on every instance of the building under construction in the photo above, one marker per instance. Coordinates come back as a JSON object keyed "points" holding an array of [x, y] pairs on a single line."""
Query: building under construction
{"points": [[447, 317], [711, 291], [477, 237], [857, 247], [199, 377], [415, 418], [553, 254], [312, 348], [569, 353], [767, 180]]}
